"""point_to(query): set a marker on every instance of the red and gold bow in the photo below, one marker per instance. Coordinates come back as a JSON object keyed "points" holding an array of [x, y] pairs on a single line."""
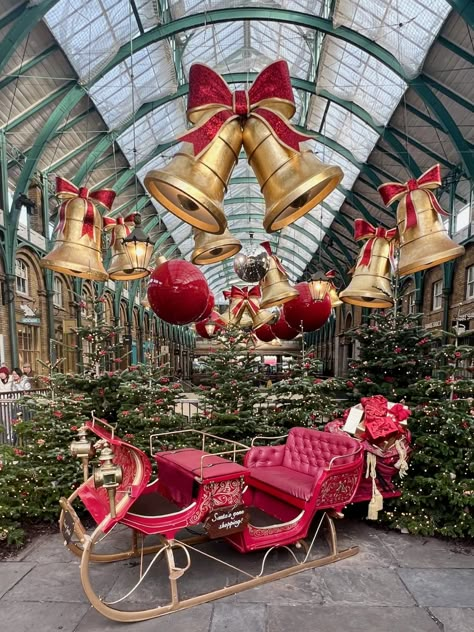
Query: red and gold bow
{"points": [[245, 296], [267, 247], [66, 190], [111, 223], [270, 95], [392, 191], [364, 230], [331, 274]]}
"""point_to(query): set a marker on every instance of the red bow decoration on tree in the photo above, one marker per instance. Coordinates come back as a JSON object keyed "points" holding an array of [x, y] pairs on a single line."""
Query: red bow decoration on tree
{"points": [[392, 191], [245, 297], [67, 191], [364, 230], [111, 223], [270, 98]]}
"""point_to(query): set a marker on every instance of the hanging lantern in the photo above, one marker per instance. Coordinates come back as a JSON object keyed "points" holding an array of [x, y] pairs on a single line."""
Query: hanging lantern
{"points": [[139, 248], [178, 292], [210, 248], [335, 300], [370, 285], [265, 333], [210, 327], [282, 329], [77, 248], [274, 286], [119, 268], [304, 313], [424, 241], [319, 286]]}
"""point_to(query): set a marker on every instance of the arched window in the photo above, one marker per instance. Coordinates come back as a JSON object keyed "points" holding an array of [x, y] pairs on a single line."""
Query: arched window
{"points": [[21, 274], [58, 292]]}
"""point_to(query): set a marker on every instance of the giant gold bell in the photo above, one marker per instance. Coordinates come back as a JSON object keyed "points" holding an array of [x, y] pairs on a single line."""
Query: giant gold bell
{"points": [[426, 244], [334, 296], [76, 252], [292, 182], [275, 287], [120, 267], [262, 317], [193, 188], [209, 248], [370, 285]]}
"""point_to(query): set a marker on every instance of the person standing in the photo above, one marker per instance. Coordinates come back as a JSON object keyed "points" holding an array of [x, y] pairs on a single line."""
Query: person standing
{"points": [[30, 374], [5, 380], [20, 381]]}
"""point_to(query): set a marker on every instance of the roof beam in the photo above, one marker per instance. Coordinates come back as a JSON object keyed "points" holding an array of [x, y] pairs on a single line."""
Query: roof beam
{"points": [[75, 152], [465, 8], [454, 96], [454, 48], [36, 107], [423, 148], [28, 65]]}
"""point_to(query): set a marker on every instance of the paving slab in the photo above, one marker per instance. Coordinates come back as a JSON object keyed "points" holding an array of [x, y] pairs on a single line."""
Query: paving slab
{"points": [[11, 573], [228, 617], [41, 617], [348, 618], [373, 553], [455, 619], [370, 586], [452, 587], [412, 551]]}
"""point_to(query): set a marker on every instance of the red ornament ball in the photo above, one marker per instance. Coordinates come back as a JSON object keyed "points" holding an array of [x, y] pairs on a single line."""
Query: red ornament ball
{"points": [[209, 307], [214, 318], [265, 333], [305, 311], [282, 330], [178, 292]]}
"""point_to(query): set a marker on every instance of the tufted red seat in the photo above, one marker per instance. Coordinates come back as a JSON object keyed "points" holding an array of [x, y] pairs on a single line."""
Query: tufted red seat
{"points": [[293, 471]]}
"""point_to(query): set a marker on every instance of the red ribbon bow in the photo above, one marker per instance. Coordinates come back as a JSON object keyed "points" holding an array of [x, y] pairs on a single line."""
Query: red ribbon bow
{"points": [[331, 274], [392, 191], [244, 294], [111, 223], [364, 230], [66, 190], [270, 98], [267, 247]]}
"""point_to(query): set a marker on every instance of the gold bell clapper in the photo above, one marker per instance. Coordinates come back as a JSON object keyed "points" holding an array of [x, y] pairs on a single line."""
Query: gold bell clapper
{"points": [[274, 286], [108, 476], [210, 248], [77, 248], [120, 268], [334, 296], [370, 285], [424, 241], [83, 449]]}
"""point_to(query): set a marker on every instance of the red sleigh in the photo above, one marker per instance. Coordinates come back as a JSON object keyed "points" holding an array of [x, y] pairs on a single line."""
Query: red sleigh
{"points": [[269, 501]]}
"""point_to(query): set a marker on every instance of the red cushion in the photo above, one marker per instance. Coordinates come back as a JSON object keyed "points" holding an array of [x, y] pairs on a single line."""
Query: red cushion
{"points": [[309, 450], [189, 460], [281, 478]]}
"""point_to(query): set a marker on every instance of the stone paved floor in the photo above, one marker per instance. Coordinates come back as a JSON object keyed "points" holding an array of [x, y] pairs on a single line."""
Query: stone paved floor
{"points": [[397, 583]]}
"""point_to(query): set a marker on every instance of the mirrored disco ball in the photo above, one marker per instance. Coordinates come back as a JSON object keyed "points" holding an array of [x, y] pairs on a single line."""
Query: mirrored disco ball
{"points": [[251, 267]]}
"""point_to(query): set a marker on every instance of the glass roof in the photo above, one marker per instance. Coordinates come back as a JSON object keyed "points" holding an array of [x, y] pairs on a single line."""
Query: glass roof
{"points": [[340, 76]]}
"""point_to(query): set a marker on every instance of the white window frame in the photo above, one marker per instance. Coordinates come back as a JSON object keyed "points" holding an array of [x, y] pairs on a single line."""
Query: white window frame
{"points": [[470, 282], [411, 303], [21, 277], [58, 292], [437, 295]]}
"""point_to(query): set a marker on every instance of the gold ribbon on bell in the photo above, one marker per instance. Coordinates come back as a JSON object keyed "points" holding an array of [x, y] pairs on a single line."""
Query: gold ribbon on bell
{"points": [[371, 281], [210, 248], [424, 241], [120, 266], [77, 248], [274, 286]]}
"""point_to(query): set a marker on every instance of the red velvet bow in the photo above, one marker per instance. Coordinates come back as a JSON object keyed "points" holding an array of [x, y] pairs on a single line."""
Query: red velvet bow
{"points": [[111, 223], [239, 295], [331, 274], [364, 230], [270, 93], [392, 191], [66, 190]]}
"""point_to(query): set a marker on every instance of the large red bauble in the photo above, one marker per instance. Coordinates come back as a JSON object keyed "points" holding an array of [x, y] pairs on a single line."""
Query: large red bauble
{"points": [[215, 318], [264, 333], [209, 307], [282, 330], [178, 292], [303, 311]]}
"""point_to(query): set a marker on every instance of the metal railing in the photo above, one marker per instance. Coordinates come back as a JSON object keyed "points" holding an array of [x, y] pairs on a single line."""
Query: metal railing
{"points": [[11, 409]]}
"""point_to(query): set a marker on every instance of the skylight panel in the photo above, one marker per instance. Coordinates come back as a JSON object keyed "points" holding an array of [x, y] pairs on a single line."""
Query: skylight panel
{"points": [[353, 74], [213, 43], [283, 41], [406, 28]]}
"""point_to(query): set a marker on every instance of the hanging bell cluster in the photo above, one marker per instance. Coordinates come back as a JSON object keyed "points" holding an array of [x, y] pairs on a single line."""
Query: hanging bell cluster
{"points": [[245, 309], [192, 186], [424, 241], [371, 281], [274, 286], [77, 246]]}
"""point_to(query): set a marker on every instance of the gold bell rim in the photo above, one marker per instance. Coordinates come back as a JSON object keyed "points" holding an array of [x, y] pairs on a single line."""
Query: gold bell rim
{"points": [[84, 272], [370, 302], [210, 210], [201, 258], [281, 299], [121, 275], [331, 177], [429, 261]]}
